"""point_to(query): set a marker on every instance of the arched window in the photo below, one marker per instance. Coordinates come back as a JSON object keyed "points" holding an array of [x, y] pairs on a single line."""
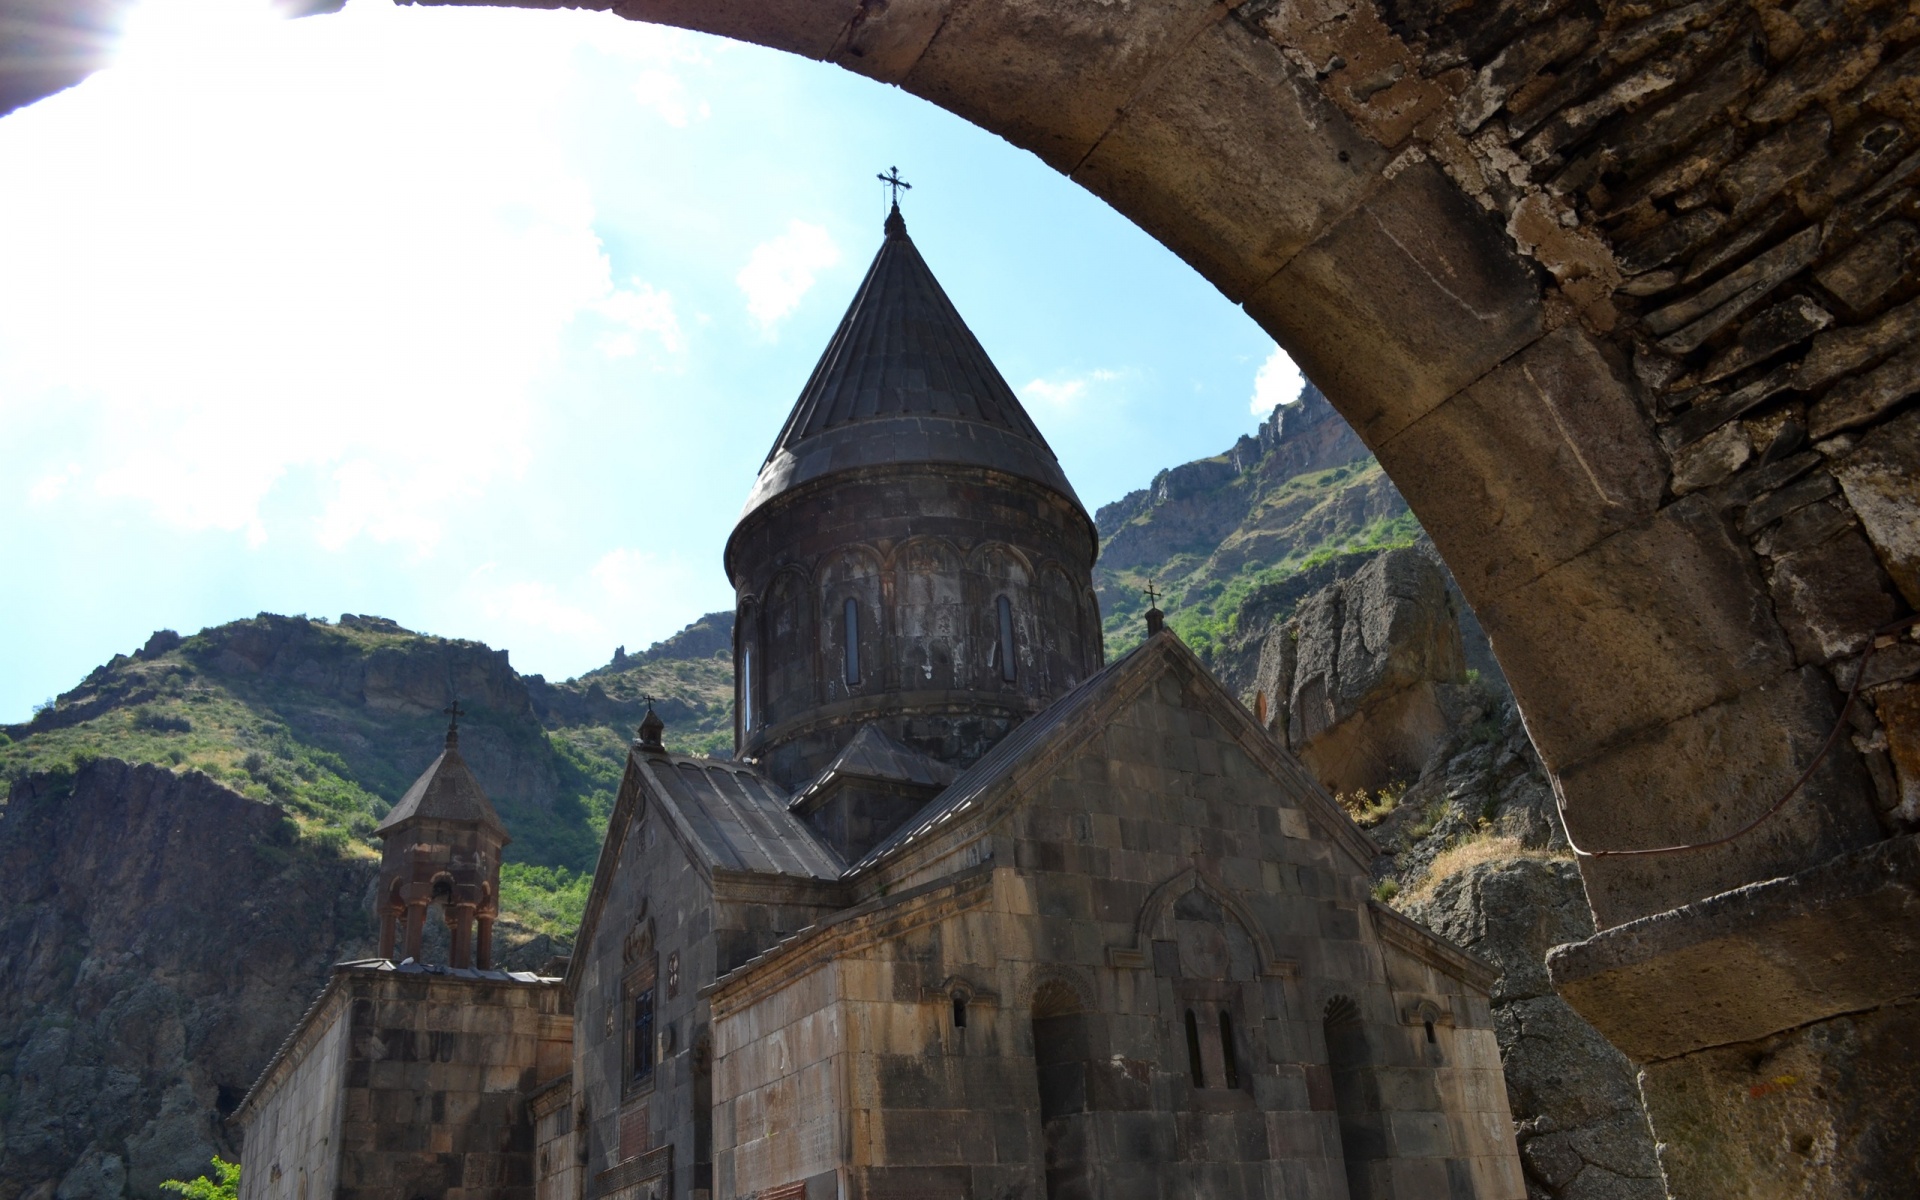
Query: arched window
{"points": [[852, 617], [1005, 607]]}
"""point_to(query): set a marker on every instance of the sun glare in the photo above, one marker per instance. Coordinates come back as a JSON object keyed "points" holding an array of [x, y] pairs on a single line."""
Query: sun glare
{"points": [[170, 32]]}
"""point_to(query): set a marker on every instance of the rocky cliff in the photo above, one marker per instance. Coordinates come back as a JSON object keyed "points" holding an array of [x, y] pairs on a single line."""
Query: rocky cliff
{"points": [[1288, 502], [159, 934]]}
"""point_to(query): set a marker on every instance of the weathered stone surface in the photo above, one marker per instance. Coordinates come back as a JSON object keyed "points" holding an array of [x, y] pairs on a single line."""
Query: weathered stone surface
{"points": [[1411, 297], [1899, 711], [1873, 266], [1731, 761], [1838, 352], [1860, 399], [1232, 159], [1830, 596], [1051, 76], [1771, 506], [1832, 1109], [1711, 459], [1776, 163], [1881, 477], [1542, 458], [1352, 673], [1665, 652], [1746, 964], [1786, 324]]}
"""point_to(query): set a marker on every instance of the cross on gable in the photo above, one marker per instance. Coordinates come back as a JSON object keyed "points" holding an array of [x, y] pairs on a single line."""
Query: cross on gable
{"points": [[454, 713], [1153, 597]]}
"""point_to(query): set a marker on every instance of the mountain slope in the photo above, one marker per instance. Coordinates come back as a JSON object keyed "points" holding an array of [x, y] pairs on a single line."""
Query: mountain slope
{"points": [[1239, 529], [332, 721]]}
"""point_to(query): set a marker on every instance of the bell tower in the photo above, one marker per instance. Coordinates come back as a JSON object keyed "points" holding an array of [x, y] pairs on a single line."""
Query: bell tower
{"points": [[442, 847], [911, 557]]}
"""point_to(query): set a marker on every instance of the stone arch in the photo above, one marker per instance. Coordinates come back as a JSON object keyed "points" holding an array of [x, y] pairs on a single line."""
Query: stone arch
{"points": [[999, 570], [1155, 922], [852, 574], [931, 617], [787, 676], [1597, 398], [1057, 991], [1506, 318], [1059, 623], [1509, 321]]}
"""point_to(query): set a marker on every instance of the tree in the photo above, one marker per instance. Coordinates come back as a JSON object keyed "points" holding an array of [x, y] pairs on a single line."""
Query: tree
{"points": [[224, 1186]]}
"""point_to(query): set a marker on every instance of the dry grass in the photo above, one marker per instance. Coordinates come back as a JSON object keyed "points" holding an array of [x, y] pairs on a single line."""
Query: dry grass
{"points": [[1369, 810], [1465, 854]]}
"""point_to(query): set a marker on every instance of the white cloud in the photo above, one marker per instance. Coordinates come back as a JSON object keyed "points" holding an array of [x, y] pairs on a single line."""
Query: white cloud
{"points": [[583, 616], [1062, 392], [390, 356], [643, 309], [665, 94], [781, 271], [1277, 382]]}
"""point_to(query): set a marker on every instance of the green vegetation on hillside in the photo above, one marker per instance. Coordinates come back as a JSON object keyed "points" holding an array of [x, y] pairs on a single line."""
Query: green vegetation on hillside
{"points": [[1299, 526], [332, 722]]}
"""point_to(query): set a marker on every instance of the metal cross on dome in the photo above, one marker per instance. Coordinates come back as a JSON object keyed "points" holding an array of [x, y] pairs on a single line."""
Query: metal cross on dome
{"points": [[454, 713], [892, 180]]}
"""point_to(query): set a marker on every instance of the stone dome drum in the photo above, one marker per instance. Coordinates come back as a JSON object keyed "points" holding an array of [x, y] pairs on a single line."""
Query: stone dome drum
{"points": [[911, 555]]}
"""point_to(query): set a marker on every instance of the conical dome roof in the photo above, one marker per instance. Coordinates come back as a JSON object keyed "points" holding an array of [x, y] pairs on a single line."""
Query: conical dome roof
{"points": [[445, 791], [904, 381]]}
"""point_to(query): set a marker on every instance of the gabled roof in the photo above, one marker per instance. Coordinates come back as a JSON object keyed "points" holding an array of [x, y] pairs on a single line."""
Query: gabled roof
{"points": [[904, 381], [445, 791], [729, 818], [734, 817], [1084, 713], [873, 755]]}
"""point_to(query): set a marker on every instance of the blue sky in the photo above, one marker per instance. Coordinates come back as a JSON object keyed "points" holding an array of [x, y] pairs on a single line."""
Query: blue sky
{"points": [[484, 320]]}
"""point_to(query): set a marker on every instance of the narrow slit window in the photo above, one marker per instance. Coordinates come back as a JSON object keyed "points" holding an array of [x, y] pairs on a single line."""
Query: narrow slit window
{"points": [[1198, 1071], [852, 614], [1231, 1064], [643, 1035], [746, 689], [959, 1011], [1005, 607], [1430, 1038]]}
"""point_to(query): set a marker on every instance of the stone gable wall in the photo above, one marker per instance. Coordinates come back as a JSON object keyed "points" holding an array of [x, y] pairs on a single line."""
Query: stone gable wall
{"points": [[1103, 885]]}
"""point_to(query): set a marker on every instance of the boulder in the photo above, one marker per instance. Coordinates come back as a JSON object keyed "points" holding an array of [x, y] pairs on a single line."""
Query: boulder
{"points": [[1352, 682]]}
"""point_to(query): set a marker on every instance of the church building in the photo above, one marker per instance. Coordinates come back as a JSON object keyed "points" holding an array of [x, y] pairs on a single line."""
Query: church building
{"points": [[971, 913]]}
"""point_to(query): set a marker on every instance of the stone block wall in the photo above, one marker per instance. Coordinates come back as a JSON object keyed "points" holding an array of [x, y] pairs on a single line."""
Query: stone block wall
{"points": [[292, 1146], [685, 924], [1150, 950], [429, 1073]]}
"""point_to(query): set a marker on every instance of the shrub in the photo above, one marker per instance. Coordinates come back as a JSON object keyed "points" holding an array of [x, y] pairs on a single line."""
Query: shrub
{"points": [[223, 1185], [160, 722]]}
